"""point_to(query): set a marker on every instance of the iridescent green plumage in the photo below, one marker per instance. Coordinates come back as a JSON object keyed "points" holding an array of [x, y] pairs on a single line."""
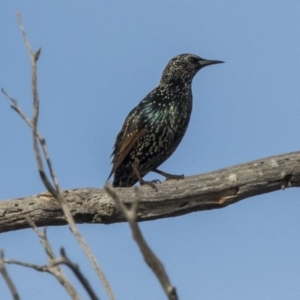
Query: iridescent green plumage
{"points": [[155, 127]]}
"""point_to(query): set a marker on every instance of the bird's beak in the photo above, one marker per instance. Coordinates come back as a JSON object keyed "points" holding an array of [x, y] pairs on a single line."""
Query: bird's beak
{"points": [[206, 62]]}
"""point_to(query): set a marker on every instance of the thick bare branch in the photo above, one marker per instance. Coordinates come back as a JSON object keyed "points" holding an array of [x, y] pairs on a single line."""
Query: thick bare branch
{"points": [[209, 191], [174, 198]]}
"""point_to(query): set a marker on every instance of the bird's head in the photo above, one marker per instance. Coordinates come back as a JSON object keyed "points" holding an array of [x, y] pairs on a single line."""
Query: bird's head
{"points": [[184, 67]]}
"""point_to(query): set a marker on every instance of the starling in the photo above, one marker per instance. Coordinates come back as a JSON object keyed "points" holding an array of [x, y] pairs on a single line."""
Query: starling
{"points": [[155, 127]]}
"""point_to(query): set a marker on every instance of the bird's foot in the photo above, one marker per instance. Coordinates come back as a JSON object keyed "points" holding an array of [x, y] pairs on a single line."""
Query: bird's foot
{"points": [[155, 181], [142, 181], [150, 183], [169, 176]]}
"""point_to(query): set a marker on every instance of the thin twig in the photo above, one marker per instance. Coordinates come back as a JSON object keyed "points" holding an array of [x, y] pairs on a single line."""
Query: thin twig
{"points": [[74, 267], [33, 59], [38, 268], [151, 259], [6, 277], [87, 250]]}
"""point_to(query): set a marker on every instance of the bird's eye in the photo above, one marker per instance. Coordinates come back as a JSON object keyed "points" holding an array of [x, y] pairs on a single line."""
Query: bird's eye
{"points": [[193, 60]]}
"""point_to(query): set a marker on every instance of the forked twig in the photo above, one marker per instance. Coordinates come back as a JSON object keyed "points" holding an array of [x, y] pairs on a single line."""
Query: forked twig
{"points": [[50, 268], [34, 123], [53, 267]]}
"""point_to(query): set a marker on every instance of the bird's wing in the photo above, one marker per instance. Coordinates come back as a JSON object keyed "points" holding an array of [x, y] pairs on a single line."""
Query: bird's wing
{"points": [[132, 130]]}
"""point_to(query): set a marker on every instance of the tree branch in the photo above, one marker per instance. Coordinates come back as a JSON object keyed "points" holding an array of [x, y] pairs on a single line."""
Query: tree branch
{"points": [[174, 198]]}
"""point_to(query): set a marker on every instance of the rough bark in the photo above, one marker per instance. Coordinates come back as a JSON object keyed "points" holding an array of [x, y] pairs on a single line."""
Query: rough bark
{"points": [[174, 198]]}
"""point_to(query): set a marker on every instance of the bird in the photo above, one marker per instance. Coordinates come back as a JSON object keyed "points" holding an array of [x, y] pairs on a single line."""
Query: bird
{"points": [[155, 127]]}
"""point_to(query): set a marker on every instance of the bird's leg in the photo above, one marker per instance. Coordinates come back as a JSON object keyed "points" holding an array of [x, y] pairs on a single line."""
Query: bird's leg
{"points": [[141, 180], [167, 175]]}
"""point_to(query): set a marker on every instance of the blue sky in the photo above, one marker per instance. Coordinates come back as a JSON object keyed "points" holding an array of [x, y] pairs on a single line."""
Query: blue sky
{"points": [[98, 61]]}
